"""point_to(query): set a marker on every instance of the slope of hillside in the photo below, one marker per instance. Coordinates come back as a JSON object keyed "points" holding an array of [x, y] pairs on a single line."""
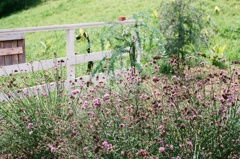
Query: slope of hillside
{"points": [[54, 12]]}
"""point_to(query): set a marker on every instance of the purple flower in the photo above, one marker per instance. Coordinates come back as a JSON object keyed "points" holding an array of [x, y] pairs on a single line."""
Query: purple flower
{"points": [[30, 133], [76, 91], [222, 99], [106, 96], [121, 125], [156, 67], [97, 102], [105, 144], [190, 143], [202, 64], [161, 149], [52, 148], [30, 125], [178, 157], [199, 84], [84, 105], [223, 60], [160, 127], [85, 148], [172, 104]]}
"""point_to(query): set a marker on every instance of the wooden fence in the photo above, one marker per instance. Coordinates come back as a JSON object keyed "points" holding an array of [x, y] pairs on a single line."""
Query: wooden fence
{"points": [[70, 60]]}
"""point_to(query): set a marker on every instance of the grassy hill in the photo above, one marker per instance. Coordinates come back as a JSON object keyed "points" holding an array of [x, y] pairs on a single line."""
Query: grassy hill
{"points": [[53, 12]]}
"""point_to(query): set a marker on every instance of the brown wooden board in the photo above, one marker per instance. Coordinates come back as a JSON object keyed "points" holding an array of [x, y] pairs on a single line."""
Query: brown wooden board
{"points": [[21, 57], [15, 57], [7, 58], [1, 58], [11, 51]]}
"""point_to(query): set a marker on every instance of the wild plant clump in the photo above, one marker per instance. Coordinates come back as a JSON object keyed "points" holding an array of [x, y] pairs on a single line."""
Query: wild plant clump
{"points": [[132, 115]]}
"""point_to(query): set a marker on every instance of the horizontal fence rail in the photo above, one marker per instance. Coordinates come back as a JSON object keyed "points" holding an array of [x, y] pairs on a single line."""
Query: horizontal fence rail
{"points": [[69, 61], [64, 27]]}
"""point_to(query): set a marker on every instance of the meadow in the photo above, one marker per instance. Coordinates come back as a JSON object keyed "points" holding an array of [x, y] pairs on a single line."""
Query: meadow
{"points": [[55, 12], [172, 104]]}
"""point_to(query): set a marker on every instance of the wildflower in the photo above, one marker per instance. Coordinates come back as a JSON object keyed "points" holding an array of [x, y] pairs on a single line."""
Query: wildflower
{"points": [[173, 78], [44, 94], [217, 9], [156, 67], [224, 118], [230, 99], [105, 144], [122, 152], [190, 143], [142, 152], [85, 148], [52, 148], [106, 96], [76, 91], [160, 140], [222, 99], [84, 105], [171, 147], [178, 157], [30, 133], [121, 125], [160, 127], [97, 102], [161, 149], [199, 96], [110, 147], [30, 125], [199, 84], [223, 60], [202, 64], [172, 104]]}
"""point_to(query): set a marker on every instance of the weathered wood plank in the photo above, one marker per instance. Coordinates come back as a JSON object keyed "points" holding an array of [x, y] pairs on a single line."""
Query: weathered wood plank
{"points": [[63, 27], [1, 58], [15, 56], [21, 57], [7, 58], [46, 88], [10, 36], [46, 64], [33, 66], [11, 51]]}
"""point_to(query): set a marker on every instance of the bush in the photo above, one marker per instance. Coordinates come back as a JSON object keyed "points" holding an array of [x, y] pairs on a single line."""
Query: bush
{"points": [[182, 26], [144, 115]]}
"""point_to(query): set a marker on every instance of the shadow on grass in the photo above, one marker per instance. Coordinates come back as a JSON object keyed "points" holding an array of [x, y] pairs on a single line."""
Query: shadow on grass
{"points": [[8, 7]]}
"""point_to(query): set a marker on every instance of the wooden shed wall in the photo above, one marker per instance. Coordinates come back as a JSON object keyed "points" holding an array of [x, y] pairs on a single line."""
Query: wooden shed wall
{"points": [[12, 49]]}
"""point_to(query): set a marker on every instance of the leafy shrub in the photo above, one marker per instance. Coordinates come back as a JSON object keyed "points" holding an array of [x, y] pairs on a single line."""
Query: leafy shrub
{"points": [[181, 25], [140, 115]]}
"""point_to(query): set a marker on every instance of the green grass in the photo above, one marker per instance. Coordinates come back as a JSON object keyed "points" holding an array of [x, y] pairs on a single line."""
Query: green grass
{"points": [[55, 12]]}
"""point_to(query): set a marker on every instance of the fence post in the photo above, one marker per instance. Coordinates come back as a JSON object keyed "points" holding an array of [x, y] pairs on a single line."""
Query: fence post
{"points": [[70, 63]]}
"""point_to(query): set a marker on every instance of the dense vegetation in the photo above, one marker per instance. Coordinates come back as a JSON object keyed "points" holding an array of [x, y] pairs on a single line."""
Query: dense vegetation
{"points": [[180, 101]]}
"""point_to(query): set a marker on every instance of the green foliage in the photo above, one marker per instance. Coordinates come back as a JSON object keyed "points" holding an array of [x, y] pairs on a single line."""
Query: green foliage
{"points": [[217, 56], [182, 25], [46, 45], [130, 116]]}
